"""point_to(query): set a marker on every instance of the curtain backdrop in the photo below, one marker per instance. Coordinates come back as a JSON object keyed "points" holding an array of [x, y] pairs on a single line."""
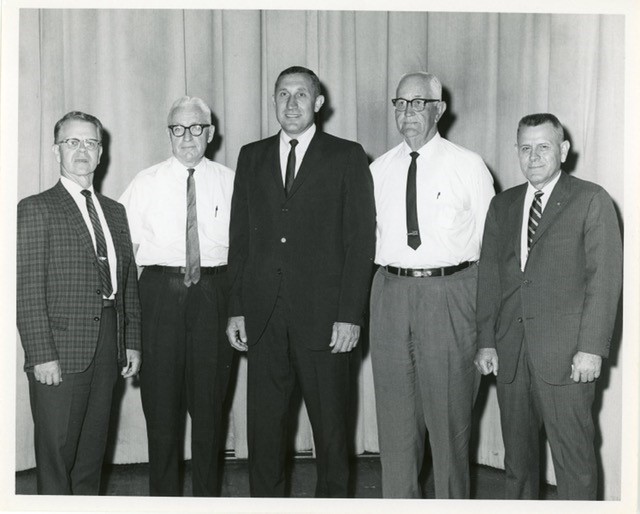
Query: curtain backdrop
{"points": [[128, 66]]}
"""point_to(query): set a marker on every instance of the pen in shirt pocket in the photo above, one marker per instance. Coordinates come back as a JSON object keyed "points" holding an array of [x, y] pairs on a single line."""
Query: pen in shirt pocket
{"points": [[438, 195], [215, 214]]}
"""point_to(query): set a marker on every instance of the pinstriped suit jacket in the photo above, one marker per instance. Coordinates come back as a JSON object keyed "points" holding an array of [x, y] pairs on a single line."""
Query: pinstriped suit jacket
{"points": [[566, 298], [59, 299]]}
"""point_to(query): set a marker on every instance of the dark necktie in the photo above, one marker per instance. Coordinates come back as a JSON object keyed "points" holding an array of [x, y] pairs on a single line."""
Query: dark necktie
{"points": [[535, 215], [291, 167], [192, 271], [413, 231], [101, 246]]}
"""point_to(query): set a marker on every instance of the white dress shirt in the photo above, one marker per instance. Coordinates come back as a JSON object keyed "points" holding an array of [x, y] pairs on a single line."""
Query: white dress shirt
{"points": [[528, 200], [75, 190], [453, 188], [301, 149], [156, 203]]}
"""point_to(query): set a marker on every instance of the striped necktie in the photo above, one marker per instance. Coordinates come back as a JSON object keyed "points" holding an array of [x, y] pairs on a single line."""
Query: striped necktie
{"points": [[535, 215], [101, 246], [192, 271]]}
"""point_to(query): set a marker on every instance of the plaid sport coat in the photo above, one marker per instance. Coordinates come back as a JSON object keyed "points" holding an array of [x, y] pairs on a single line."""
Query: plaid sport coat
{"points": [[59, 302]]}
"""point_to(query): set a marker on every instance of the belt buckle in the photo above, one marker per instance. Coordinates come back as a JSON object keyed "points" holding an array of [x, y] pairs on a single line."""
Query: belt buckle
{"points": [[418, 273]]}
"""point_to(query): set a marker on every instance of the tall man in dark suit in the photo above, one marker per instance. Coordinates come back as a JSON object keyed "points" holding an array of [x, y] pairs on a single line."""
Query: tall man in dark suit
{"points": [[549, 283], [301, 249], [78, 311]]}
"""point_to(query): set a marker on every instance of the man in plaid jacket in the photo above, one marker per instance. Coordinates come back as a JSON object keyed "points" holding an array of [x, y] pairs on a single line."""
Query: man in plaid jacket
{"points": [[78, 311]]}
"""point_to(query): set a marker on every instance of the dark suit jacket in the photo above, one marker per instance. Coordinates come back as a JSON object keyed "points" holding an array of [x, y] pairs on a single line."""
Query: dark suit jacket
{"points": [[320, 240], [566, 299], [59, 299]]}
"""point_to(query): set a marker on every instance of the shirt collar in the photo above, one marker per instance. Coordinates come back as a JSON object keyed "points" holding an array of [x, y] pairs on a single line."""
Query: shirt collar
{"points": [[303, 139], [547, 189], [180, 168], [73, 187], [435, 140]]}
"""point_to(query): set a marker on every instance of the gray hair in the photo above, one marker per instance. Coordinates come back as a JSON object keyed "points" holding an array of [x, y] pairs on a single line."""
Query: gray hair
{"points": [[187, 101], [434, 83]]}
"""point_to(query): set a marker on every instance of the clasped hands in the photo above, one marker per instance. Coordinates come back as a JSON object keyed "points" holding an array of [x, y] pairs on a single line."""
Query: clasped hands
{"points": [[344, 336], [585, 367]]}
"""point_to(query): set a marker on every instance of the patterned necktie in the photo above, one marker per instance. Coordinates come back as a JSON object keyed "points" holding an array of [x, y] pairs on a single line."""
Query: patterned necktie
{"points": [[192, 271], [535, 215], [413, 231], [291, 167], [101, 246]]}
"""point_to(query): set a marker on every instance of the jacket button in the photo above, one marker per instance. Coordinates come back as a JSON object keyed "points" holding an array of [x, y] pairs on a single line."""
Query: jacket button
{"points": [[283, 240], [284, 209], [519, 320], [98, 291], [97, 318], [279, 272]]}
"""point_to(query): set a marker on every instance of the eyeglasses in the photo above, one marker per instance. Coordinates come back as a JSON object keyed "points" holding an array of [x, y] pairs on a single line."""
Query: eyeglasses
{"points": [[418, 104], [195, 130], [73, 143]]}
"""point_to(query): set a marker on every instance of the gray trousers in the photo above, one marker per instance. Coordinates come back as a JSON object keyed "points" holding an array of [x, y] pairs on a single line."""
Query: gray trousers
{"points": [[423, 338], [528, 403]]}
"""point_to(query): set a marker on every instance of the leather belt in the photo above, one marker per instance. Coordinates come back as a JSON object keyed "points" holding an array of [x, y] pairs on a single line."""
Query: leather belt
{"points": [[108, 303], [209, 270], [428, 272]]}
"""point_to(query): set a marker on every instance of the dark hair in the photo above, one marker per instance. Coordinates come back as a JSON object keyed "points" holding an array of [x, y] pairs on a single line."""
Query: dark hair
{"points": [[534, 120], [315, 81], [77, 115]]}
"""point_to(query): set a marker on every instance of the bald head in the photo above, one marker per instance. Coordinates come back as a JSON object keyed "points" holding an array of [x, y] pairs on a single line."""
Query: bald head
{"points": [[428, 81]]}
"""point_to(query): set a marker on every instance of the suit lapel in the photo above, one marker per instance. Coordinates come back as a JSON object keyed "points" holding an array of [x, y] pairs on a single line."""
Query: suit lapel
{"points": [[273, 157], [515, 219], [311, 158], [555, 204], [75, 217]]}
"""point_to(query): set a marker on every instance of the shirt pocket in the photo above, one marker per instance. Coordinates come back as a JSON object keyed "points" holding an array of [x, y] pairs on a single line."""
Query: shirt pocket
{"points": [[450, 211]]}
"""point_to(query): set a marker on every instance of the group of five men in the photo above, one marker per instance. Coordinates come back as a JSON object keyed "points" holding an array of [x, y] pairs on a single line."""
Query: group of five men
{"points": [[276, 261]]}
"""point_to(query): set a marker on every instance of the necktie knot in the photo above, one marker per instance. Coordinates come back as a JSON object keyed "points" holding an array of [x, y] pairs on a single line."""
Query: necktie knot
{"points": [[191, 171], [293, 143], [86, 193], [414, 155]]}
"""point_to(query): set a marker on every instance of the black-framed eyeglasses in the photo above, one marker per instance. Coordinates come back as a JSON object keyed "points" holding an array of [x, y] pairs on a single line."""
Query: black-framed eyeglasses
{"points": [[418, 104], [195, 129], [73, 143]]}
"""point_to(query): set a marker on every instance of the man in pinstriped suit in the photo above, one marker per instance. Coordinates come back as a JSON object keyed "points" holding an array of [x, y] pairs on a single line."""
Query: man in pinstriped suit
{"points": [[548, 288], [78, 312]]}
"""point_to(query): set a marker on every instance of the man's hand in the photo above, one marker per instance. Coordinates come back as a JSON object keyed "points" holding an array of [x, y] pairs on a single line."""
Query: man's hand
{"points": [[48, 373], [237, 334], [487, 361], [344, 337], [134, 359], [585, 367]]}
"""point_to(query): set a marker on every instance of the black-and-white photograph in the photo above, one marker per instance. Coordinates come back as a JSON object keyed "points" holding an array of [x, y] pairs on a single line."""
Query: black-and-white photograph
{"points": [[269, 255]]}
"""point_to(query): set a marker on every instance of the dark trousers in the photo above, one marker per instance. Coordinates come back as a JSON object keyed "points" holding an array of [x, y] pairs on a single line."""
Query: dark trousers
{"points": [[526, 404], [186, 365], [274, 363], [72, 420]]}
